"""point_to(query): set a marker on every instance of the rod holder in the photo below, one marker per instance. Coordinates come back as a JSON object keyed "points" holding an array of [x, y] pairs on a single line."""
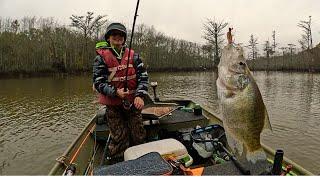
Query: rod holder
{"points": [[154, 86], [277, 162]]}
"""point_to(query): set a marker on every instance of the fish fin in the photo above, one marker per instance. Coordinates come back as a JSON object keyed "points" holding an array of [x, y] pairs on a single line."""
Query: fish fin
{"points": [[257, 155], [235, 145], [267, 124]]}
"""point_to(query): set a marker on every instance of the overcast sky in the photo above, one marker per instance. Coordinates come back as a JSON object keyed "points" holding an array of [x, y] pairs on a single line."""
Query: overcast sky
{"points": [[184, 19]]}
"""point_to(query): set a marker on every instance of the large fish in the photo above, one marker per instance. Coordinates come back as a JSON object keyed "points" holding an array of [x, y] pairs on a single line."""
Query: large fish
{"points": [[244, 114]]}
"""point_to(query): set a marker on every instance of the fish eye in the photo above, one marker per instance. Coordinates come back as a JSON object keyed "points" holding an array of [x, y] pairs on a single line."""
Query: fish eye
{"points": [[241, 63]]}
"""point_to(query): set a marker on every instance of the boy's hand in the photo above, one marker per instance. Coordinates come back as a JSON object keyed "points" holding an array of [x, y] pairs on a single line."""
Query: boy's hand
{"points": [[121, 93], [138, 103]]}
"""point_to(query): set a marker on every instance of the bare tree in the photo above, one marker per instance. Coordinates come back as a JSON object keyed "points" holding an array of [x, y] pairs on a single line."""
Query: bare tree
{"points": [[213, 32], [0, 24], [32, 23], [306, 41], [24, 24], [274, 44], [303, 44], [88, 24], [15, 26], [284, 49], [267, 48], [47, 23], [253, 42], [7, 24], [291, 48]]}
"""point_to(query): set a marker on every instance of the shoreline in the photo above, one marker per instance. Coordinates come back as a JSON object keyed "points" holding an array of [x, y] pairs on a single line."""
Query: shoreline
{"points": [[10, 75]]}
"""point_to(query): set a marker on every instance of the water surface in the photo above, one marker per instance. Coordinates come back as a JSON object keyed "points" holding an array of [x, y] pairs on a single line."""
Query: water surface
{"points": [[40, 117]]}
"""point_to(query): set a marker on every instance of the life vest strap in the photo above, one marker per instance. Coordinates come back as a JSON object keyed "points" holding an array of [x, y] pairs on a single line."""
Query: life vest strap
{"points": [[114, 70], [123, 78], [119, 68]]}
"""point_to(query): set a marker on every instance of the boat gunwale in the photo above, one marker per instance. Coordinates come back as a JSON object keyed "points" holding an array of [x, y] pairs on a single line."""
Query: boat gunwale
{"points": [[71, 147], [296, 168]]}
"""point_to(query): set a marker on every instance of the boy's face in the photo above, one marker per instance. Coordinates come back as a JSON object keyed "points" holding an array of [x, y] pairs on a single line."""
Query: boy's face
{"points": [[116, 38]]}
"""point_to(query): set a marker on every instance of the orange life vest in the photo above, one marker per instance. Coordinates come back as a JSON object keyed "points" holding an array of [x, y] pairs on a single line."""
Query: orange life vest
{"points": [[117, 76]]}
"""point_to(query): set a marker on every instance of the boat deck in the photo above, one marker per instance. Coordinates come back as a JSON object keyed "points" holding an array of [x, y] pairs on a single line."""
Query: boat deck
{"points": [[87, 150], [166, 127]]}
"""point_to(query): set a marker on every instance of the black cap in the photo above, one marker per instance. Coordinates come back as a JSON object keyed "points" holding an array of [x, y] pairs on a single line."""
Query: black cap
{"points": [[116, 26]]}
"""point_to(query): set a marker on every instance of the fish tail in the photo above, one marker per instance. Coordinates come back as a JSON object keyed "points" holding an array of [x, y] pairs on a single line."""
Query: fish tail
{"points": [[257, 155]]}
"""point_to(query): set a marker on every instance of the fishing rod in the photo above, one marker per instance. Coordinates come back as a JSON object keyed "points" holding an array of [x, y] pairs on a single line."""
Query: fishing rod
{"points": [[105, 154], [132, 31], [236, 162], [126, 103], [216, 142]]}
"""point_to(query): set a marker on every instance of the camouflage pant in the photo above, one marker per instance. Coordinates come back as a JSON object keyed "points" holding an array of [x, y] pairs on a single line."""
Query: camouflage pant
{"points": [[126, 129]]}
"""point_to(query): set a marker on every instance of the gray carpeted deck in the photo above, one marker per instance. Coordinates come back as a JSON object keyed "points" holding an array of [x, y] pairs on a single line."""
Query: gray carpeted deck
{"points": [[229, 169], [179, 116]]}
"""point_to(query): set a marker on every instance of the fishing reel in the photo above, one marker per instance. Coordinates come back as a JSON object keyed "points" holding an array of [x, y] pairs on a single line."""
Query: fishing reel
{"points": [[126, 104], [205, 140]]}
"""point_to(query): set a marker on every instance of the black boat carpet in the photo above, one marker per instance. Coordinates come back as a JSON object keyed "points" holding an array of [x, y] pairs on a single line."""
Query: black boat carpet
{"points": [[225, 169], [229, 169], [179, 116], [146, 165]]}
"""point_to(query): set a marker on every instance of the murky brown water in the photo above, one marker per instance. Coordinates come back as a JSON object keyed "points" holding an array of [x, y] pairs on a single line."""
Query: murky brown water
{"points": [[40, 117]]}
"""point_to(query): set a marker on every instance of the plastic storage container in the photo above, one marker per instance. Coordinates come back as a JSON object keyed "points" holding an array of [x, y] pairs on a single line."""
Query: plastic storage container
{"points": [[166, 147]]}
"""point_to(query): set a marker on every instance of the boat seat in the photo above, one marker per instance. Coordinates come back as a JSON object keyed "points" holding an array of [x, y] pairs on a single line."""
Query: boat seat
{"points": [[150, 164], [164, 147]]}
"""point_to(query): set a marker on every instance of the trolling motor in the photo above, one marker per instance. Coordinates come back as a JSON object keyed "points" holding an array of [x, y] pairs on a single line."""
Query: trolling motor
{"points": [[154, 86]]}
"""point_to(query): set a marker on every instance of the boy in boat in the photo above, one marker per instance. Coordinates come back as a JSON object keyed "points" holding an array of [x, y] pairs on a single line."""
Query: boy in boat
{"points": [[109, 78]]}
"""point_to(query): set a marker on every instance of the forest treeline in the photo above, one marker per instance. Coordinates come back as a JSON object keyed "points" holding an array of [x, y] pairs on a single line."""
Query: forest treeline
{"points": [[307, 60], [163, 53], [40, 45]]}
